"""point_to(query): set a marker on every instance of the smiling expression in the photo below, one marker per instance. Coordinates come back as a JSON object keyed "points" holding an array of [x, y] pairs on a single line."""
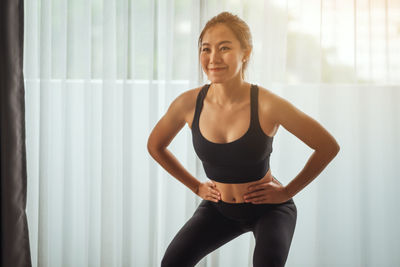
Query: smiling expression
{"points": [[221, 55]]}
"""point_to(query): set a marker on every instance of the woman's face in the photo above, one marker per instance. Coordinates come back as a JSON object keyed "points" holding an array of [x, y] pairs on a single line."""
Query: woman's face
{"points": [[221, 56]]}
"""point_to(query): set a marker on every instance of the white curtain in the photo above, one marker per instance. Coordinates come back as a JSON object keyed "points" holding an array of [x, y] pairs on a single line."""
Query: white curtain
{"points": [[100, 74]]}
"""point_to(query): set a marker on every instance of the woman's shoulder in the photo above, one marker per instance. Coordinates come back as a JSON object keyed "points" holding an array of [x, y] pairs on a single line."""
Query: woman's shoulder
{"points": [[187, 99], [271, 103], [189, 95], [266, 96], [187, 103]]}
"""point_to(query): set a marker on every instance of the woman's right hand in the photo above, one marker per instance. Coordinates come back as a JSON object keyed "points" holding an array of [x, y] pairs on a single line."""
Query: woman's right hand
{"points": [[208, 191]]}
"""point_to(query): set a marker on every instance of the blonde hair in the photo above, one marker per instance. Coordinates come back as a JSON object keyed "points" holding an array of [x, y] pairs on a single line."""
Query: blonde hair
{"points": [[240, 29]]}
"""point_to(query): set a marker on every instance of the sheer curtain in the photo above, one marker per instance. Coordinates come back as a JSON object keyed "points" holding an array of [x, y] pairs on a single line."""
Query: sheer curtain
{"points": [[100, 74]]}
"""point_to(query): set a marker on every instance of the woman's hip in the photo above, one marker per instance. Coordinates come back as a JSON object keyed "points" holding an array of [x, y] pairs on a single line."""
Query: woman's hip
{"points": [[247, 211]]}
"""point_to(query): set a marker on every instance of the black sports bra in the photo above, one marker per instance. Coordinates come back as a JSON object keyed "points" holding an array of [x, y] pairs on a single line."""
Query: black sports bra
{"points": [[240, 161]]}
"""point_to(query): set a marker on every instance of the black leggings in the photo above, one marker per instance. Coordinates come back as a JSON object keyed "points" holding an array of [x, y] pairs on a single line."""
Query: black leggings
{"points": [[214, 224]]}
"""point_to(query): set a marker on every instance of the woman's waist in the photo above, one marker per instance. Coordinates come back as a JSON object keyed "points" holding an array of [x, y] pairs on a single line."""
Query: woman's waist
{"points": [[233, 193]]}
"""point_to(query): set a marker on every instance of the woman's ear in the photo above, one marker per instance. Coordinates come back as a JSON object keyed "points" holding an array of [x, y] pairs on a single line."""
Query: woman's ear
{"points": [[247, 53]]}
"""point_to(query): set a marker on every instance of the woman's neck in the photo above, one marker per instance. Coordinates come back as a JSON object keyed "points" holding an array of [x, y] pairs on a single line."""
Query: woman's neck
{"points": [[229, 93]]}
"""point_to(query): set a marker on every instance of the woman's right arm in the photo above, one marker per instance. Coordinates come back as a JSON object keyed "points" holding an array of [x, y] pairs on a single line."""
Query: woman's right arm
{"points": [[163, 133]]}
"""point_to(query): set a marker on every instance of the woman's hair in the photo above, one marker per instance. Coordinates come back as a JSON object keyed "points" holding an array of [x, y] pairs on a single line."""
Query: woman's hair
{"points": [[237, 26]]}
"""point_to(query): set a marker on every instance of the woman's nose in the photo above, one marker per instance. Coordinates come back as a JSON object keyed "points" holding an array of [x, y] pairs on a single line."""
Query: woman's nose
{"points": [[215, 57]]}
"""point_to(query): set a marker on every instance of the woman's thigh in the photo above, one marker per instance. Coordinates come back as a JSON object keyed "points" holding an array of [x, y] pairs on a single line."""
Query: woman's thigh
{"points": [[273, 233], [204, 232]]}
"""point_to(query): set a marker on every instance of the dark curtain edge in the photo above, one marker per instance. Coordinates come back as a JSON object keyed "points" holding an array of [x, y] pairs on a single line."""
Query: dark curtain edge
{"points": [[14, 234]]}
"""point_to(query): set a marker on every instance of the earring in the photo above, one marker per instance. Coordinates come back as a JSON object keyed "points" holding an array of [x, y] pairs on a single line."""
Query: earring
{"points": [[244, 60]]}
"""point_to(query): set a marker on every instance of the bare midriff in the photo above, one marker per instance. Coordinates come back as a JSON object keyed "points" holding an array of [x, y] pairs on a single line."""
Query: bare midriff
{"points": [[233, 193]]}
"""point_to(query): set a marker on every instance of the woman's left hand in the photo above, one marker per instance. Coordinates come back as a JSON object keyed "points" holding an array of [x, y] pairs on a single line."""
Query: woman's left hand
{"points": [[267, 193]]}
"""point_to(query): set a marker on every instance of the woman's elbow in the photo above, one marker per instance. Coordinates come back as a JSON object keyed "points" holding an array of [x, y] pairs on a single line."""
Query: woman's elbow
{"points": [[333, 148], [154, 146], [151, 146], [329, 148]]}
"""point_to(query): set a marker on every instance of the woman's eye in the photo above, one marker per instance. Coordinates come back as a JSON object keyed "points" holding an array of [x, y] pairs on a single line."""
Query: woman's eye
{"points": [[222, 48]]}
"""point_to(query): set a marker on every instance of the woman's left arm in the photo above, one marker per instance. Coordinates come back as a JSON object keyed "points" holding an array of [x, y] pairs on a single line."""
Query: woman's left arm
{"points": [[312, 134]]}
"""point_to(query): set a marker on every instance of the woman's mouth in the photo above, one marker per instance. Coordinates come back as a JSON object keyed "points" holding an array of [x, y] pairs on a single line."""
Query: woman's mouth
{"points": [[216, 69]]}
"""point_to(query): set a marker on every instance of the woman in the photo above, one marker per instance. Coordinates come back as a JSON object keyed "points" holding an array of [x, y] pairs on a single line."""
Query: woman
{"points": [[242, 194]]}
